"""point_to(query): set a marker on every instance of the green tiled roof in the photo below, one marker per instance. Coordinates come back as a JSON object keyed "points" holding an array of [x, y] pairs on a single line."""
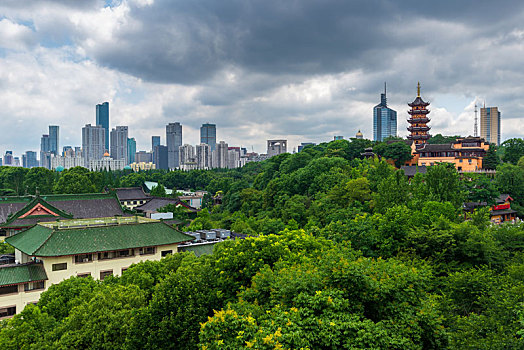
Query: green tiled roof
{"points": [[40, 240], [198, 249], [21, 273]]}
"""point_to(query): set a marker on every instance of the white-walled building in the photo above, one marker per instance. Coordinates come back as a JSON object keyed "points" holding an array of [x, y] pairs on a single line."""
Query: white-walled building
{"points": [[49, 253]]}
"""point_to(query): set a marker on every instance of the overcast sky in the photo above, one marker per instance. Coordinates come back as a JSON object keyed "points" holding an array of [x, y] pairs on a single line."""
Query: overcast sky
{"points": [[301, 70]]}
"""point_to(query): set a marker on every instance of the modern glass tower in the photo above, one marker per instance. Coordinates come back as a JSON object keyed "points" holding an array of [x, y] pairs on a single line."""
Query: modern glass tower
{"points": [[102, 118], [384, 119], [53, 139], [174, 141], [131, 150], [208, 135], [490, 124]]}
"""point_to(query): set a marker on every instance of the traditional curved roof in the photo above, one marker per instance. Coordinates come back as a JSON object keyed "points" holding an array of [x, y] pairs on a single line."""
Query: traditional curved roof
{"points": [[418, 102], [48, 240]]}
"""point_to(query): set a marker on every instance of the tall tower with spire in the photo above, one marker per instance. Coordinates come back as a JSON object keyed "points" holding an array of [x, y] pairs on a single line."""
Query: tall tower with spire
{"points": [[384, 119], [418, 120]]}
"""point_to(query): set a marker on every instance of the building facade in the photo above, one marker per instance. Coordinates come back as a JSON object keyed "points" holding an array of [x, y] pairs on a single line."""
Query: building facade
{"points": [[465, 153], [490, 124], [93, 143], [208, 135], [384, 119], [276, 147], [67, 162], [102, 119], [203, 156], [186, 155], [54, 254], [29, 159], [173, 141], [54, 139], [160, 157], [143, 157], [220, 155], [106, 163], [119, 143], [131, 149]]}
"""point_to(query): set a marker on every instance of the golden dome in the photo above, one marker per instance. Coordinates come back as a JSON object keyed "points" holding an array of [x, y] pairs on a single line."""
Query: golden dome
{"points": [[359, 133], [106, 154]]}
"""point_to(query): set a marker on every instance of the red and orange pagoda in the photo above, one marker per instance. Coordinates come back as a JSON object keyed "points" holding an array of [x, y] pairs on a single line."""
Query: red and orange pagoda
{"points": [[418, 120]]}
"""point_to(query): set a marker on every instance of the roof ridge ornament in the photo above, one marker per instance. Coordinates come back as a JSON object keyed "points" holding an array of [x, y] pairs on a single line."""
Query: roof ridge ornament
{"points": [[418, 89]]}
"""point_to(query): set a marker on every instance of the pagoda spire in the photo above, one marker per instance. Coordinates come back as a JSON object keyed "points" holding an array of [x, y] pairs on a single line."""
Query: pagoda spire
{"points": [[418, 120]]}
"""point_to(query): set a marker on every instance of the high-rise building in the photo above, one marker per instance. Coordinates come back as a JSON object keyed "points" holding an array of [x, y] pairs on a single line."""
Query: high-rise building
{"points": [[29, 160], [208, 135], [384, 119], [67, 151], [9, 160], [53, 139], [143, 157], [490, 124], [186, 154], [276, 147], [233, 154], [131, 150], [119, 143], [160, 157], [418, 121], [93, 143], [203, 156], [173, 141], [155, 141], [221, 155], [45, 153], [102, 118]]}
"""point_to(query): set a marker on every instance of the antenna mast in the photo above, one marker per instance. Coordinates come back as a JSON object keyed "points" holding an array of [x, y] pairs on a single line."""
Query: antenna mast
{"points": [[475, 131]]}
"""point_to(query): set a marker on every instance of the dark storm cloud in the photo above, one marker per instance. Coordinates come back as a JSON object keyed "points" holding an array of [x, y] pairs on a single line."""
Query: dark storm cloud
{"points": [[190, 41]]}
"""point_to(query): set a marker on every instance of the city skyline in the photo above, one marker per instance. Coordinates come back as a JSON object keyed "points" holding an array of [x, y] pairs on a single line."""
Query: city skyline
{"points": [[255, 84]]}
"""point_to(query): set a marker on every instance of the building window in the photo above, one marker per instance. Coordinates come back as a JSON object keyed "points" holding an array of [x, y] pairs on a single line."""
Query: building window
{"points": [[7, 311], [84, 274], [147, 251], [166, 252], [83, 258], [33, 286], [104, 274], [116, 254], [124, 253], [8, 289], [59, 267], [460, 160]]}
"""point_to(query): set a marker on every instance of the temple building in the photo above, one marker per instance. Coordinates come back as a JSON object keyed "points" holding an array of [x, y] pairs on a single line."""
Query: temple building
{"points": [[465, 153], [418, 120]]}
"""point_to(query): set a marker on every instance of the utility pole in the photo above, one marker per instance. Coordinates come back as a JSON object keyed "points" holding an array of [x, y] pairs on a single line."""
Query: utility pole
{"points": [[475, 131]]}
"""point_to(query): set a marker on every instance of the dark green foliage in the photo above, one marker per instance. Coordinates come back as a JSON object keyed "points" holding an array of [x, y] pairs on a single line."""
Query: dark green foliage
{"points": [[346, 253], [513, 149], [491, 160], [439, 139]]}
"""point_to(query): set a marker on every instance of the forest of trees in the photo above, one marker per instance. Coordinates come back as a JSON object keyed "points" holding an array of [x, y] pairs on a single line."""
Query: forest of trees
{"points": [[344, 253]]}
